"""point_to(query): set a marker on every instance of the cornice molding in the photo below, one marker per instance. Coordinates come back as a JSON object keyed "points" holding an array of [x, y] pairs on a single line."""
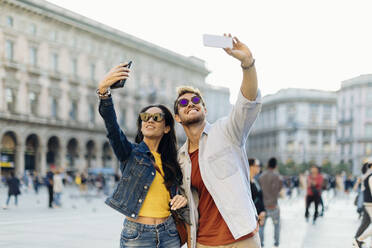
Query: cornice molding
{"points": [[70, 18]]}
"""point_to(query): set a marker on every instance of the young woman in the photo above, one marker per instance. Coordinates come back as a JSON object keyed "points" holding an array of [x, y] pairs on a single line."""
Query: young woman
{"points": [[151, 174]]}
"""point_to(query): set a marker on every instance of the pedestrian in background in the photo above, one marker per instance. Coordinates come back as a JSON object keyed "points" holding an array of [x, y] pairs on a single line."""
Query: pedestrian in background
{"points": [[49, 183], [84, 184], [271, 183], [314, 191], [296, 184], [13, 189], [58, 187], [257, 196], [366, 220], [36, 182], [340, 185], [349, 184], [332, 184], [302, 182], [323, 189]]}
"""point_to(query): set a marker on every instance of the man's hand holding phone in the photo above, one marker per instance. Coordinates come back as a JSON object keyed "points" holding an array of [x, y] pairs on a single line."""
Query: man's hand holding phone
{"points": [[232, 46], [116, 75], [239, 51]]}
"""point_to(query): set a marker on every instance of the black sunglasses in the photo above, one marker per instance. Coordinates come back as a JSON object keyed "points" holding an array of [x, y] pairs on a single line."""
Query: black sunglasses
{"points": [[158, 117], [183, 102]]}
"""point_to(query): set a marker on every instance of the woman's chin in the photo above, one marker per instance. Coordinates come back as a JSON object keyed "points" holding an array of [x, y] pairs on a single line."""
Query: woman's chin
{"points": [[152, 136]]}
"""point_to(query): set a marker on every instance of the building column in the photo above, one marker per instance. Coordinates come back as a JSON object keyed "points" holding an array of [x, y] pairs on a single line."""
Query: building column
{"points": [[2, 96], [42, 160], [320, 151], [62, 156], [99, 153], [79, 164], [20, 159], [335, 158]]}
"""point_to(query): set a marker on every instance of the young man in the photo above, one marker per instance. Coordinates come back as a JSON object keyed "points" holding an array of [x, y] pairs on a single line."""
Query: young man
{"points": [[271, 184], [215, 165]]}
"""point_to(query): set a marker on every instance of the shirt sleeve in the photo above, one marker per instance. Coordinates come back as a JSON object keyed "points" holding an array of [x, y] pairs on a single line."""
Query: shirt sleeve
{"points": [[241, 118]]}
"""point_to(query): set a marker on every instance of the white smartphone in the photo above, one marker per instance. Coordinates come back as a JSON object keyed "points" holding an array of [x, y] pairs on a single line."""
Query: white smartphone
{"points": [[217, 41]]}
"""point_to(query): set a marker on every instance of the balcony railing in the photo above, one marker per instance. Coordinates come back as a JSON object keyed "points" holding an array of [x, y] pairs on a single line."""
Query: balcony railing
{"points": [[34, 69], [74, 79], [11, 64], [56, 75]]}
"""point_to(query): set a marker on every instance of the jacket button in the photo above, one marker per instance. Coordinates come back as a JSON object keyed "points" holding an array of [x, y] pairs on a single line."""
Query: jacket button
{"points": [[133, 215], [145, 187], [152, 173], [140, 200]]}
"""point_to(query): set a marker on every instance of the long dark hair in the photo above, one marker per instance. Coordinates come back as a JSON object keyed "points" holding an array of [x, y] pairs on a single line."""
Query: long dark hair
{"points": [[167, 147]]}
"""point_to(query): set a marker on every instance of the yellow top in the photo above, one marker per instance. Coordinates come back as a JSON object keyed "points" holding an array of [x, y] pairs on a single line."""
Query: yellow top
{"points": [[156, 203]]}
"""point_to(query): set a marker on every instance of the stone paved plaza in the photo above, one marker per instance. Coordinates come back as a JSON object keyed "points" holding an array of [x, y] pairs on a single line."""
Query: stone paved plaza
{"points": [[89, 223]]}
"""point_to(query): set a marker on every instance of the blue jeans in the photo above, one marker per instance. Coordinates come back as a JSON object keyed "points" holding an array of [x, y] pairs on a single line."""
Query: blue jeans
{"points": [[15, 200], [274, 214], [57, 198], [164, 235]]}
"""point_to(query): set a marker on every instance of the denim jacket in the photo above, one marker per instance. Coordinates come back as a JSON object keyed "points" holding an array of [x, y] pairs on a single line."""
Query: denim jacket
{"points": [[136, 165]]}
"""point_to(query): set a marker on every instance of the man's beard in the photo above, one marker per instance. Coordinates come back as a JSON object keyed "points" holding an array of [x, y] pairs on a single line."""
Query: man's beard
{"points": [[193, 121]]}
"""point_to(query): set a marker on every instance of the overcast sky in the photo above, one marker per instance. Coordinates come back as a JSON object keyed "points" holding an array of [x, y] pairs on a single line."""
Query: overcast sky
{"points": [[302, 44]]}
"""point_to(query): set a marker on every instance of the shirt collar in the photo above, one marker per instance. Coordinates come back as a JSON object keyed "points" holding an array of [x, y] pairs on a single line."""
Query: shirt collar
{"points": [[142, 147], [207, 128], [185, 147]]}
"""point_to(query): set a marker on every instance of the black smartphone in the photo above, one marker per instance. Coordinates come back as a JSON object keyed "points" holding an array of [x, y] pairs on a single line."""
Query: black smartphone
{"points": [[120, 84]]}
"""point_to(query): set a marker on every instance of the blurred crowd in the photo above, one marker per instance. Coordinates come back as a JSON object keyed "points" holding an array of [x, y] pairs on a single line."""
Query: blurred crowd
{"points": [[93, 183]]}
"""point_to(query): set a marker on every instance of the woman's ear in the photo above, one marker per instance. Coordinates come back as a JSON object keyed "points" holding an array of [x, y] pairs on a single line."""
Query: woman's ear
{"points": [[167, 129]]}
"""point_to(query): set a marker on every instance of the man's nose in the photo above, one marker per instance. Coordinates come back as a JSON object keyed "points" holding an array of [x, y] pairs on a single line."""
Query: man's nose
{"points": [[190, 104]]}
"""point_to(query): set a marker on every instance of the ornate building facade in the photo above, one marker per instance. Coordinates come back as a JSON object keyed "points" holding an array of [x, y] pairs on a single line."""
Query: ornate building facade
{"points": [[354, 131], [296, 125], [51, 60]]}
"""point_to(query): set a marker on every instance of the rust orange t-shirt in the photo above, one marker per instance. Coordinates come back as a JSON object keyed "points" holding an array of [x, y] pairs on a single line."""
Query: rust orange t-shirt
{"points": [[212, 229]]}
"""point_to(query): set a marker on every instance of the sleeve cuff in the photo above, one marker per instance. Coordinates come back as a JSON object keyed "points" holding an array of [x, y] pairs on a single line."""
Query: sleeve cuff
{"points": [[106, 102], [242, 100]]}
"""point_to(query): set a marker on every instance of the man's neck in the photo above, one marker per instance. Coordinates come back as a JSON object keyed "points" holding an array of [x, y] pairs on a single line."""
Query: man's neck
{"points": [[193, 133], [251, 176]]}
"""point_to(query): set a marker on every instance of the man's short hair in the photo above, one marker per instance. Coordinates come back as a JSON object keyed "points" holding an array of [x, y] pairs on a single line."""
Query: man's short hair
{"points": [[251, 161], [272, 163], [182, 90]]}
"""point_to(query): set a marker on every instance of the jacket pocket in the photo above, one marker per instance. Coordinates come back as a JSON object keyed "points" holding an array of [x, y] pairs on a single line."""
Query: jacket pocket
{"points": [[223, 163], [134, 168], [119, 191]]}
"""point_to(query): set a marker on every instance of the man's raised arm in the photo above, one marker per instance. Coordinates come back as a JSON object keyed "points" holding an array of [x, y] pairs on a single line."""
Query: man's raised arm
{"points": [[241, 52]]}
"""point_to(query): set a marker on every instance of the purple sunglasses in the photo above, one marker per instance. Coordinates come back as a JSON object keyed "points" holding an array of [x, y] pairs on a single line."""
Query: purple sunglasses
{"points": [[183, 102]]}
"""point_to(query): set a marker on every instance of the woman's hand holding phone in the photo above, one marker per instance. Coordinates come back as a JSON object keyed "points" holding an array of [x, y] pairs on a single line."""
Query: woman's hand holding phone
{"points": [[115, 75]]}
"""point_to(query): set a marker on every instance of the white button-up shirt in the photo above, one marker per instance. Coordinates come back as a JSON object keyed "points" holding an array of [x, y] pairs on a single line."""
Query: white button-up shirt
{"points": [[224, 169]]}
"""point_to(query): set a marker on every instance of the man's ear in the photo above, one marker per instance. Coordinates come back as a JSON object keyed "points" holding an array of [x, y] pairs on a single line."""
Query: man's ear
{"points": [[177, 118], [167, 129]]}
